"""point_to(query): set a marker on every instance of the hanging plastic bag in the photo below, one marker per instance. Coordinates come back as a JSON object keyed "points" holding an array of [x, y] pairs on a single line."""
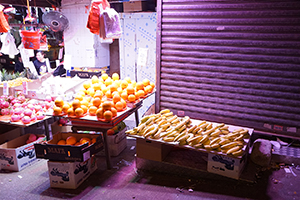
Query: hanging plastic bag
{"points": [[111, 21], [8, 44], [4, 26], [93, 22]]}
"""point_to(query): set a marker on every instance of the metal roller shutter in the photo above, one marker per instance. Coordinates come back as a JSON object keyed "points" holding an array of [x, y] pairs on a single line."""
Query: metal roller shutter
{"points": [[236, 62]]}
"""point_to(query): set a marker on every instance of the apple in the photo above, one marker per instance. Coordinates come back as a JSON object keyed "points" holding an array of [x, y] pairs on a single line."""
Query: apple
{"points": [[26, 120], [15, 118], [27, 112]]}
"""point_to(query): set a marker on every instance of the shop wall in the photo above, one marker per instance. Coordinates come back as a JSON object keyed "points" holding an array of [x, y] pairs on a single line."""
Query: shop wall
{"points": [[138, 49], [85, 48]]}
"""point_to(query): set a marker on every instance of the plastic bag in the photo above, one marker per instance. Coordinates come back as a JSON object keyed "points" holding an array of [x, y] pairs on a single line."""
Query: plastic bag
{"points": [[4, 26], [111, 21], [93, 22]]}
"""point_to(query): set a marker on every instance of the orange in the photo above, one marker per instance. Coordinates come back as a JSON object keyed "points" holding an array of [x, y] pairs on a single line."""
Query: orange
{"points": [[124, 95], [108, 94], [119, 106], [117, 83], [71, 140], [70, 112], [61, 142], [106, 105], [148, 89], [95, 79], [146, 82], [79, 112], [110, 132], [131, 98], [108, 115], [84, 102], [59, 102], [91, 92], [88, 99], [115, 93], [104, 89], [127, 79], [133, 83], [84, 140], [94, 140], [120, 90], [152, 85], [140, 93], [81, 93], [139, 86], [113, 87], [82, 90], [124, 84], [92, 110], [65, 108], [115, 76], [130, 90], [116, 97], [98, 94], [84, 108], [114, 112], [79, 97], [108, 81], [75, 103], [86, 85], [77, 144], [97, 86], [96, 101], [104, 76], [124, 103], [99, 113], [57, 110]]}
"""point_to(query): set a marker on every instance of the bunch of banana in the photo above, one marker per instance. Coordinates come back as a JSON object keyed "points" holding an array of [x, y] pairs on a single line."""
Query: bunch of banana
{"points": [[170, 128]]}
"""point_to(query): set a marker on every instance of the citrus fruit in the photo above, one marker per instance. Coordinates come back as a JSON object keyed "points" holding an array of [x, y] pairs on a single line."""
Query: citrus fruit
{"points": [[77, 144], [90, 92], [113, 87], [110, 132], [86, 85], [92, 110], [95, 79], [124, 84], [75, 103], [146, 82], [130, 90], [140, 93], [61, 142], [99, 113], [119, 106], [94, 140], [84, 108], [70, 112], [114, 112], [139, 86], [104, 76], [65, 107], [116, 97], [148, 89], [84, 140], [108, 94], [79, 112], [98, 94], [97, 86], [96, 101], [108, 115], [127, 79], [131, 98], [108, 81], [84, 102], [124, 95], [106, 105], [71, 140], [57, 110], [152, 85], [115, 76], [59, 102], [124, 103]]}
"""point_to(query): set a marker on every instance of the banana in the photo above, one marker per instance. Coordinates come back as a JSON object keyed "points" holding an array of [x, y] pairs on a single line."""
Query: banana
{"points": [[190, 130], [215, 133], [140, 128], [238, 153], [168, 139], [224, 128], [220, 125], [150, 120], [195, 131], [200, 131], [164, 111], [130, 132], [182, 129], [225, 132], [170, 119], [204, 139], [208, 147], [233, 149], [144, 119], [151, 132], [194, 139], [209, 131], [158, 120], [169, 114], [201, 123], [238, 138], [238, 130], [175, 121], [164, 134], [224, 141], [215, 140], [209, 126], [229, 145], [197, 145], [146, 130], [215, 145], [183, 138], [157, 134], [182, 142], [233, 135], [204, 125], [165, 126], [179, 136], [244, 132], [162, 123]]}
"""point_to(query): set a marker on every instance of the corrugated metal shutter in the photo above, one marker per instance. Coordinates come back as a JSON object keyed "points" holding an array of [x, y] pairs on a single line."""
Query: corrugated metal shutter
{"points": [[235, 62]]}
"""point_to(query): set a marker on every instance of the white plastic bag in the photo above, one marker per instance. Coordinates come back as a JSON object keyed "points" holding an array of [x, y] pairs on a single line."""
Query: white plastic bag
{"points": [[111, 22]]}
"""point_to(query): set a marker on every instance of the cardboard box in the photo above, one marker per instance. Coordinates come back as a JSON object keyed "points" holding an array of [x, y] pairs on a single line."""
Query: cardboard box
{"points": [[226, 166], [8, 133], [50, 150], [151, 150], [116, 143], [56, 128], [134, 6], [70, 174], [15, 155], [88, 72]]}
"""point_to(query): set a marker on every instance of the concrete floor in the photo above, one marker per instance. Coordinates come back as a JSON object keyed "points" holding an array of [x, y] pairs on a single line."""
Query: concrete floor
{"points": [[125, 181]]}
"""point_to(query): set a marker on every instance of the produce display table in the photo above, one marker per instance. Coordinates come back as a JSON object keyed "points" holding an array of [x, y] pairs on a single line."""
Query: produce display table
{"points": [[5, 119], [90, 123]]}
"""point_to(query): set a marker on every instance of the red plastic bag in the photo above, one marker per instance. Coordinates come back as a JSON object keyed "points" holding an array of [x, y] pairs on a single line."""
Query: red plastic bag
{"points": [[94, 15], [4, 26]]}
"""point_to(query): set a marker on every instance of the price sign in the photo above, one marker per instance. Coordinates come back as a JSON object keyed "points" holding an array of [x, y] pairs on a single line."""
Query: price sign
{"points": [[25, 88], [5, 89]]}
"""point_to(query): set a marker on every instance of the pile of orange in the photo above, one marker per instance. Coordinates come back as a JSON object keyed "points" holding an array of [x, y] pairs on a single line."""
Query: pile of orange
{"points": [[71, 140], [95, 93]]}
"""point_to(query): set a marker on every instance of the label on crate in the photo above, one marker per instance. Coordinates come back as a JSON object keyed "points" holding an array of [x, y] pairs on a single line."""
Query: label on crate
{"points": [[25, 88]]}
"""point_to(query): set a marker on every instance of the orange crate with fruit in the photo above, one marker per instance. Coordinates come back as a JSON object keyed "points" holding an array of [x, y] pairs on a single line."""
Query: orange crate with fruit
{"points": [[70, 147]]}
